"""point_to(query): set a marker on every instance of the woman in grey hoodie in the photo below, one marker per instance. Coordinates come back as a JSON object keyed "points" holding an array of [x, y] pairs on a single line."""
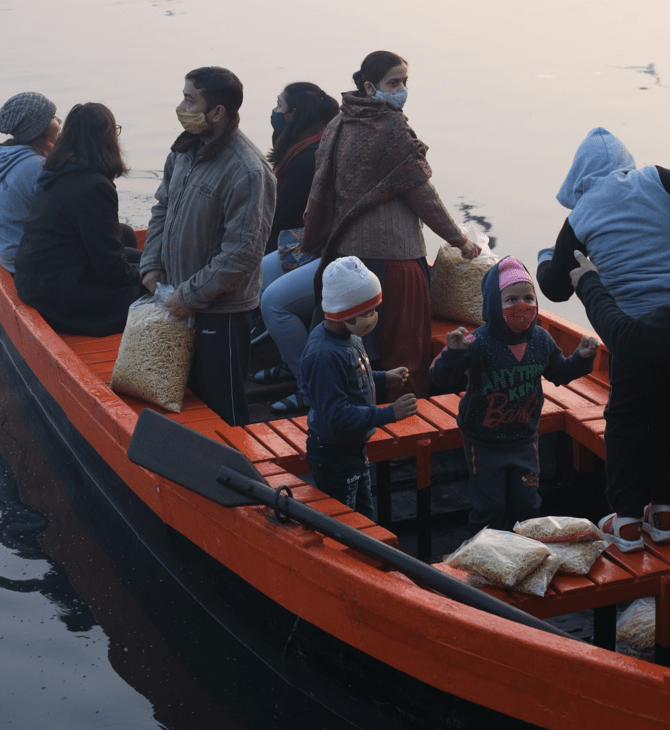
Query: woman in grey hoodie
{"points": [[31, 120]]}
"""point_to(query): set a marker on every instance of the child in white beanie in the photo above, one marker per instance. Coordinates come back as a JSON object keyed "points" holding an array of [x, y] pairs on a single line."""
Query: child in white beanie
{"points": [[339, 386]]}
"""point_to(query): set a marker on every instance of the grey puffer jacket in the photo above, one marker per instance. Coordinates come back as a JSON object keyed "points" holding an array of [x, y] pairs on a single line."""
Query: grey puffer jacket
{"points": [[210, 225]]}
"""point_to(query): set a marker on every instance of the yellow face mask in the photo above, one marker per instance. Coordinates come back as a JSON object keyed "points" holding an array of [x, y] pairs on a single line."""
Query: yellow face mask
{"points": [[193, 122]]}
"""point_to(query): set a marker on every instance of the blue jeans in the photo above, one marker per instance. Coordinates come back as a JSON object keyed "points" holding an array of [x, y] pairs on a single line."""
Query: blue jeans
{"points": [[287, 303], [342, 471], [504, 481]]}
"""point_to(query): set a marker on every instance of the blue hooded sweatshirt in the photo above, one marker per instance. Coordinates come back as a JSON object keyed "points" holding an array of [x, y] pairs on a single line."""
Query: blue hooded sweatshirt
{"points": [[622, 216], [503, 395], [20, 168]]}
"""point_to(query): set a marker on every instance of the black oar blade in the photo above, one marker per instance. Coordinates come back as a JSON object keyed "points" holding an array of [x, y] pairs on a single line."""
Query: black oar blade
{"points": [[188, 458]]}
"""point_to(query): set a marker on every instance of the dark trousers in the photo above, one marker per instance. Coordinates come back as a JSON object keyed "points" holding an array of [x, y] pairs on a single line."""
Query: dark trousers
{"points": [[637, 436], [130, 244], [504, 481], [221, 364], [342, 472]]}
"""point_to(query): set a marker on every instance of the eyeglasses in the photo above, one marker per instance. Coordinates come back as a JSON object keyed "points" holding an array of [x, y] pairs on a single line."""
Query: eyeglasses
{"points": [[118, 130]]}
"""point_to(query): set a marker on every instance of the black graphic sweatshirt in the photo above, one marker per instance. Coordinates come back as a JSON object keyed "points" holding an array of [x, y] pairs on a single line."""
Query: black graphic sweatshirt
{"points": [[503, 395]]}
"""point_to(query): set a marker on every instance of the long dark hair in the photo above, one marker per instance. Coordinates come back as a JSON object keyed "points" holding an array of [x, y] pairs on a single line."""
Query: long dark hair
{"points": [[311, 106], [374, 67], [89, 140]]}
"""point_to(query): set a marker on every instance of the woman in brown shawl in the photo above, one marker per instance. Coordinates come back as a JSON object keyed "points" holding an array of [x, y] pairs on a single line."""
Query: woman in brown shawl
{"points": [[370, 193]]}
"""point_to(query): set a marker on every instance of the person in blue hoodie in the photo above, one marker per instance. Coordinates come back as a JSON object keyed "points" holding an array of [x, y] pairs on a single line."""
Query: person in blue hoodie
{"points": [[500, 366], [619, 219], [30, 118], [71, 263]]}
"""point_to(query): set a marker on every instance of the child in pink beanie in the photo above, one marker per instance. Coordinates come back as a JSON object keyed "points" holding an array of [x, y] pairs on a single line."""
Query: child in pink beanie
{"points": [[500, 367]]}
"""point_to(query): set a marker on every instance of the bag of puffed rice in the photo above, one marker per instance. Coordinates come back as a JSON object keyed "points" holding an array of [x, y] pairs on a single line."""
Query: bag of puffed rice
{"points": [[535, 583], [636, 629], [456, 284], [559, 529], [500, 557], [155, 352], [577, 558]]}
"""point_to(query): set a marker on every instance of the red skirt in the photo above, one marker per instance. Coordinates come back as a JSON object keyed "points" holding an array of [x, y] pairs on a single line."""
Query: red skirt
{"points": [[406, 339]]}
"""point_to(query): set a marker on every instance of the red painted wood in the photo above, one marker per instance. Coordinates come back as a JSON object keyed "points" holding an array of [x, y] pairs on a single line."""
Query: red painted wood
{"points": [[291, 434], [272, 440]]}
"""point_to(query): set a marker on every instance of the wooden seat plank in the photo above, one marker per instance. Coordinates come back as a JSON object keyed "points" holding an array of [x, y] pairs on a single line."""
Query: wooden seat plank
{"points": [[640, 564], [589, 390], [272, 440], [290, 433], [448, 403], [658, 550], [565, 584], [604, 572], [241, 440], [300, 422], [331, 507], [411, 429], [569, 399]]}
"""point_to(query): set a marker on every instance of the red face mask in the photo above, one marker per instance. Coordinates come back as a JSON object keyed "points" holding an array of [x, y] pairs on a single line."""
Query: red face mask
{"points": [[520, 316]]}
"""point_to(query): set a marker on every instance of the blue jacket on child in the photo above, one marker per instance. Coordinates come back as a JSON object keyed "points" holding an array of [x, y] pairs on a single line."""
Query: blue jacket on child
{"points": [[338, 384], [503, 394]]}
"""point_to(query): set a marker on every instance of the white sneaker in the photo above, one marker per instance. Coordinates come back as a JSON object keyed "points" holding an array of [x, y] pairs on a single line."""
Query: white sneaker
{"points": [[649, 522], [611, 525]]}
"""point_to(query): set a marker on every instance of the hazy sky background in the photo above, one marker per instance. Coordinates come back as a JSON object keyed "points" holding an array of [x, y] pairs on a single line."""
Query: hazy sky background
{"points": [[502, 93]]}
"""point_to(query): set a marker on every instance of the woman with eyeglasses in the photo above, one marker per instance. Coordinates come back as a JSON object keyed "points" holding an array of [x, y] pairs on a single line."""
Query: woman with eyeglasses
{"points": [[72, 264], [30, 120]]}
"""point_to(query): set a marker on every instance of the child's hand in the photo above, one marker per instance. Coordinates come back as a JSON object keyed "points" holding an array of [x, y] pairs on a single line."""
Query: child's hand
{"points": [[397, 376], [588, 346], [405, 406], [456, 340]]}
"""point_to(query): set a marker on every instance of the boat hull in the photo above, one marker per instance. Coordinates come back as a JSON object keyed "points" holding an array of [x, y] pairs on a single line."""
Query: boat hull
{"points": [[327, 604]]}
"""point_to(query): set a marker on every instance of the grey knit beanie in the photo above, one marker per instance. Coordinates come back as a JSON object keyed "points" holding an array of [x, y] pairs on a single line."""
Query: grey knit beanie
{"points": [[25, 116]]}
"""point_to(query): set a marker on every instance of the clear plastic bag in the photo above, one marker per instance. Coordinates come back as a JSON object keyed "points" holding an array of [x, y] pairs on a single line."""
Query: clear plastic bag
{"points": [[577, 558], [534, 584], [155, 352], [456, 284], [500, 557], [558, 529], [636, 629]]}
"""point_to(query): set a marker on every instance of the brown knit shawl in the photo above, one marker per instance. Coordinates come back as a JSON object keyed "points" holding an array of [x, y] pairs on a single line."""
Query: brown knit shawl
{"points": [[368, 154]]}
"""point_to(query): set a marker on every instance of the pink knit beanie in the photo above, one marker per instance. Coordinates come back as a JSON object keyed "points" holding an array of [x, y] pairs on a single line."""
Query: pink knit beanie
{"points": [[512, 271]]}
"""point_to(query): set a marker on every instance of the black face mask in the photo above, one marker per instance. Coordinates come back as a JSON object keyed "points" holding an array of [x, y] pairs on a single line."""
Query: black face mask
{"points": [[278, 122]]}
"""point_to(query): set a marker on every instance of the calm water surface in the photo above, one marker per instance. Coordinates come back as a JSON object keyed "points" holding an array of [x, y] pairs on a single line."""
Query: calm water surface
{"points": [[502, 93]]}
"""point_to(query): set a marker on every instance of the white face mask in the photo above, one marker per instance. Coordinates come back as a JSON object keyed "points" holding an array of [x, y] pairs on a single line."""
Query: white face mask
{"points": [[193, 122], [396, 99], [363, 326]]}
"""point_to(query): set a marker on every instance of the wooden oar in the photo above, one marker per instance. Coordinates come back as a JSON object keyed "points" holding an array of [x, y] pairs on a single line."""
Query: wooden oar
{"points": [[227, 477]]}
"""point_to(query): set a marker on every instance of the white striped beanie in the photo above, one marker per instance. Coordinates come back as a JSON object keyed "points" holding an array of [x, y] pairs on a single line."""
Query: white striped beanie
{"points": [[349, 289]]}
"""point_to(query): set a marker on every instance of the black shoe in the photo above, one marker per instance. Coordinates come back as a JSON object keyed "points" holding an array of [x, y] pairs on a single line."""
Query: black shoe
{"points": [[277, 374]]}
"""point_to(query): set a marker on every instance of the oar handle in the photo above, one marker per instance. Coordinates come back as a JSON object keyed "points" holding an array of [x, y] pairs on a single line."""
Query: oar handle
{"points": [[411, 567]]}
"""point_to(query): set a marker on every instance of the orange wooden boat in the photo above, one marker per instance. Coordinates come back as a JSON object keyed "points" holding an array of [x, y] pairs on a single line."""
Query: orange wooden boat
{"points": [[400, 653]]}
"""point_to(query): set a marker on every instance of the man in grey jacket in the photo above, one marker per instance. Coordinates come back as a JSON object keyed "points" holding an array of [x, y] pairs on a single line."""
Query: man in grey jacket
{"points": [[207, 235]]}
